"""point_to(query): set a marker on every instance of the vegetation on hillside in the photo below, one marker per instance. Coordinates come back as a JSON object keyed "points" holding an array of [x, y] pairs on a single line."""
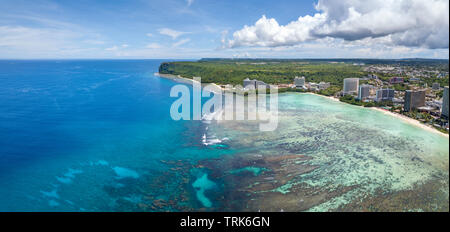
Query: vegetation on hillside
{"points": [[271, 72]]}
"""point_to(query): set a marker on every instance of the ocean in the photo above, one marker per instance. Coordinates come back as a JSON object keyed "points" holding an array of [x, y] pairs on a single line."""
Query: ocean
{"points": [[96, 135], [92, 136]]}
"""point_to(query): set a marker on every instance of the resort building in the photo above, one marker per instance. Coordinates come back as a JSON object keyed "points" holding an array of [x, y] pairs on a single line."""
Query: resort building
{"points": [[253, 84], [351, 86], [364, 92], [385, 95], [414, 99], [313, 86], [324, 85], [444, 112], [299, 82], [248, 84]]}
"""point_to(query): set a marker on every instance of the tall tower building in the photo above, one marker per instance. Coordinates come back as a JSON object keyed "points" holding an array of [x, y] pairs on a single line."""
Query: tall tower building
{"points": [[351, 86], [364, 92], [444, 112], [414, 99]]}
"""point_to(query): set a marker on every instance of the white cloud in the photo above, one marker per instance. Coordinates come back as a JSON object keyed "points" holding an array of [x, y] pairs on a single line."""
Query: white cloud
{"points": [[172, 33], [153, 46], [189, 2], [181, 42], [268, 33], [409, 23], [125, 45], [149, 34]]}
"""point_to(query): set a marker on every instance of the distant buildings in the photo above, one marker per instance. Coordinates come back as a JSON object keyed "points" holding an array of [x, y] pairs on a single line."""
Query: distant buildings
{"points": [[444, 112], [436, 86], [351, 86], [372, 76], [364, 91], [385, 95], [299, 82], [414, 99], [253, 84], [396, 80], [313, 86]]}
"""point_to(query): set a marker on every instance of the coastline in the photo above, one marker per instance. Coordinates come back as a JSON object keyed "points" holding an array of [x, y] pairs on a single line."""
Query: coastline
{"points": [[329, 97], [410, 121], [185, 80], [398, 116], [176, 78]]}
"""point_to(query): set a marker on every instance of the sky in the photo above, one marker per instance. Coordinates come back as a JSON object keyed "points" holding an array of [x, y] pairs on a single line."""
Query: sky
{"points": [[192, 29]]}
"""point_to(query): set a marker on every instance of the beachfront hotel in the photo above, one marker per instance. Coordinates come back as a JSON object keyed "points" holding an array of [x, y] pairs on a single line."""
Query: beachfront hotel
{"points": [[253, 84], [364, 92], [414, 99], [299, 82], [351, 86], [384, 95], [445, 103]]}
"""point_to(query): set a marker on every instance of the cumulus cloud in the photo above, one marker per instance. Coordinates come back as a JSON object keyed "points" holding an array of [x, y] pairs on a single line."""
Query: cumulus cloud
{"points": [[172, 33], [410, 23]]}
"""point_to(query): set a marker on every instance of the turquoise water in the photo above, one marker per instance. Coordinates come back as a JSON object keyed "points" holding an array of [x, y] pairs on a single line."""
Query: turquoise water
{"points": [[254, 170], [351, 155], [97, 136]]}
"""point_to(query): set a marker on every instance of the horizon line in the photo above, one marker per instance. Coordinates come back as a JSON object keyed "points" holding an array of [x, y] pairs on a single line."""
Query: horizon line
{"points": [[224, 58]]}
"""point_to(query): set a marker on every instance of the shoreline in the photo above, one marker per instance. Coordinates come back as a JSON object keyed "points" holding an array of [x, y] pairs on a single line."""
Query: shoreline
{"points": [[406, 119], [410, 121], [176, 78], [185, 80]]}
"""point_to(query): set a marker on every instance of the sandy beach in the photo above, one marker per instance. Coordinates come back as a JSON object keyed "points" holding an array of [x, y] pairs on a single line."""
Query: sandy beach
{"points": [[329, 97], [185, 80], [176, 78], [409, 120], [399, 116]]}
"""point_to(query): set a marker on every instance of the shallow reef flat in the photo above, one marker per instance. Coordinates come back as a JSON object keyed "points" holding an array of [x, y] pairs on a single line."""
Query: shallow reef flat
{"points": [[330, 156]]}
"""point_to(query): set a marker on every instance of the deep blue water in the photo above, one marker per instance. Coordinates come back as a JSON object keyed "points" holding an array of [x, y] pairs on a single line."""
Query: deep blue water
{"points": [[94, 136]]}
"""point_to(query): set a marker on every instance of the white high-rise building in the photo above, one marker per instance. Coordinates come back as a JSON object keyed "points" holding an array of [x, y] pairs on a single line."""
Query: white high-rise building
{"points": [[351, 86]]}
